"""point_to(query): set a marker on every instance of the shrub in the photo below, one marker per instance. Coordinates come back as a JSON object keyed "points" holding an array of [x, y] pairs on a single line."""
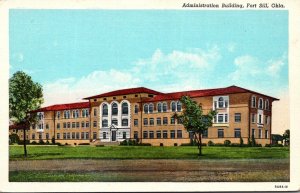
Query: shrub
{"points": [[210, 143], [273, 145], [235, 145], [227, 143], [129, 142], [59, 144], [83, 143], [47, 142], [219, 144], [241, 142], [175, 144], [21, 142], [253, 142], [144, 144], [41, 142], [185, 144], [203, 144], [34, 143], [53, 140], [249, 142], [13, 138]]}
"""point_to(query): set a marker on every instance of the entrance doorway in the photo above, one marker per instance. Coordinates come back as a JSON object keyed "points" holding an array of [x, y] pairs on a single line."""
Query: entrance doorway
{"points": [[113, 135]]}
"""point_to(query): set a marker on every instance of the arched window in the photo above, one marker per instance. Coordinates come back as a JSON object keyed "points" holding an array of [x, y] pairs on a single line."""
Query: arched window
{"points": [[253, 102], [267, 104], [124, 122], [136, 109], [114, 109], [74, 114], [151, 107], [178, 106], [159, 107], [164, 107], [221, 102], [146, 108], [260, 103], [173, 106], [105, 123], [125, 108], [104, 110]]}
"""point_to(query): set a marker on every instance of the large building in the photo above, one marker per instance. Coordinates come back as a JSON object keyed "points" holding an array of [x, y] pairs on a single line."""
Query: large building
{"points": [[145, 115]]}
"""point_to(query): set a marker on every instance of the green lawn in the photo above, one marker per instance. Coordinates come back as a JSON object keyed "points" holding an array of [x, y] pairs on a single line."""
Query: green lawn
{"points": [[145, 152]]}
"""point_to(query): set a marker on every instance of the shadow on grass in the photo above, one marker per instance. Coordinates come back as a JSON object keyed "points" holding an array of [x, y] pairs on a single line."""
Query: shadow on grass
{"points": [[34, 155]]}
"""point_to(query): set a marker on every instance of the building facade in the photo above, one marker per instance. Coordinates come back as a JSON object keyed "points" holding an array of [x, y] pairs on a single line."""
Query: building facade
{"points": [[145, 115]]}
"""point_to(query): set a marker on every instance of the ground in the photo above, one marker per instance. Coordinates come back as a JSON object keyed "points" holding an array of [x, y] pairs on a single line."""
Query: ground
{"points": [[177, 164]]}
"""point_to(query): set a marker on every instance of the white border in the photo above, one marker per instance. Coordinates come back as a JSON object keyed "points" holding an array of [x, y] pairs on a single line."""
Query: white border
{"points": [[294, 57]]}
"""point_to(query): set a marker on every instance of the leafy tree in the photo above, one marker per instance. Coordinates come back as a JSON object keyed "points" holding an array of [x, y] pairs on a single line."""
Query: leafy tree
{"points": [[24, 96], [286, 137], [194, 120]]}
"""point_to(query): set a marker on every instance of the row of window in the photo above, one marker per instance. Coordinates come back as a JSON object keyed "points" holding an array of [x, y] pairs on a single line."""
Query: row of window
{"points": [[67, 114], [105, 135], [162, 107], [114, 109], [160, 134], [258, 118], [237, 133], [261, 104], [150, 121], [223, 118], [115, 122]]}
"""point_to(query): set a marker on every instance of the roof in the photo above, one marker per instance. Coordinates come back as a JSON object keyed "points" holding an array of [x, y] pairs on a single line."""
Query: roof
{"points": [[125, 92], [205, 92], [59, 107]]}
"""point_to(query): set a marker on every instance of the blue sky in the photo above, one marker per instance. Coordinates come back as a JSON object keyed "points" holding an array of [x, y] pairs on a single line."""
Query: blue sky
{"points": [[78, 53]]}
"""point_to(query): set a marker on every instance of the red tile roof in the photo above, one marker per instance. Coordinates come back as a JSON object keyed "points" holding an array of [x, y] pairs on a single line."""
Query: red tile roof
{"points": [[126, 91], [201, 93], [59, 107]]}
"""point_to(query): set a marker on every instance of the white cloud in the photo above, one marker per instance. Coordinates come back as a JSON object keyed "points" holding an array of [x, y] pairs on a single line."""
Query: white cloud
{"points": [[275, 65], [231, 47]]}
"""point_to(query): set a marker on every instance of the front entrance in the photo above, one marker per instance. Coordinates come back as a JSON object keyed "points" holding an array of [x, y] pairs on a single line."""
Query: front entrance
{"points": [[113, 135]]}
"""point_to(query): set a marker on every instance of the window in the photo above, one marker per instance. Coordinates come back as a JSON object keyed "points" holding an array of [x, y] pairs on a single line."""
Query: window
{"points": [[165, 120], [94, 135], [124, 135], [220, 133], [260, 103], [65, 125], [165, 134], [136, 109], [164, 107], [95, 112], [205, 133], [33, 136], [267, 104], [68, 136], [73, 114], [237, 117], [145, 134], [105, 123], [114, 109], [145, 121], [85, 112], [146, 108], [179, 106], [237, 133], [73, 124], [58, 125], [173, 106], [64, 136], [57, 135], [151, 120], [135, 122], [114, 122], [158, 134], [226, 118], [105, 110], [95, 124], [104, 135], [47, 136], [69, 125], [259, 118], [41, 126], [172, 120], [73, 135], [82, 124], [172, 133], [253, 132], [151, 134], [266, 134], [159, 107], [220, 118], [77, 124], [124, 108], [179, 134], [82, 135], [151, 107], [259, 133], [124, 122], [253, 101], [87, 124], [87, 136], [77, 135], [253, 118], [136, 135], [58, 115], [221, 102], [158, 121]]}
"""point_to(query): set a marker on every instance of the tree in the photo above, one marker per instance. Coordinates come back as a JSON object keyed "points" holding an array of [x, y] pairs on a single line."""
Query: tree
{"points": [[194, 120], [286, 137], [24, 96]]}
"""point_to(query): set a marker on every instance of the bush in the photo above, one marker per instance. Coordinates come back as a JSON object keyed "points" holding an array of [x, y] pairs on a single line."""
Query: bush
{"points": [[21, 142], [128, 142], [53, 140], [144, 144], [236, 145], [41, 142], [59, 144], [273, 145], [185, 144], [13, 138], [83, 143], [241, 142], [219, 144], [47, 142], [227, 143], [210, 143], [203, 144], [34, 143]]}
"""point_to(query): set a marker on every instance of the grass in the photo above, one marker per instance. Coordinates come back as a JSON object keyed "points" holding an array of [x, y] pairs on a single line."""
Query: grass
{"points": [[145, 152]]}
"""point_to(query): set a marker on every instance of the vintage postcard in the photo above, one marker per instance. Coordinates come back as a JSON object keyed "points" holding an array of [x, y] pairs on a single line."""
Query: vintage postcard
{"points": [[149, 96]]}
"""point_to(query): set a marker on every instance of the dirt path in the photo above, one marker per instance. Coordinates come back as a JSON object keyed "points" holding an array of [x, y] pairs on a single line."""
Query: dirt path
{"points": [[167, 170]]}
